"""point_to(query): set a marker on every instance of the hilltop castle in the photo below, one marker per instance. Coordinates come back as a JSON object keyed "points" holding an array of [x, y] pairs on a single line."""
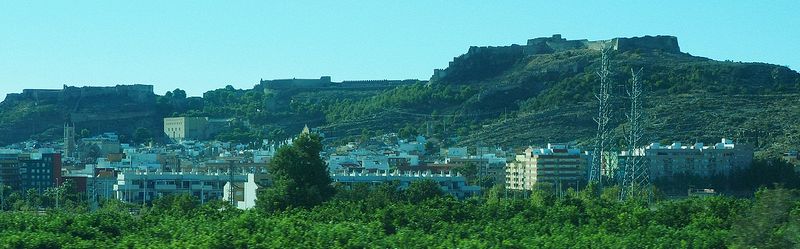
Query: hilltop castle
{"points": [[555, 44], [546, 45], [136, 93]]}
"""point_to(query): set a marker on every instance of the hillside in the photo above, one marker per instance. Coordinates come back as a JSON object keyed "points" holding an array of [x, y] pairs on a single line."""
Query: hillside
{"points": [[515, 95], [501, 95], [41, 114]]}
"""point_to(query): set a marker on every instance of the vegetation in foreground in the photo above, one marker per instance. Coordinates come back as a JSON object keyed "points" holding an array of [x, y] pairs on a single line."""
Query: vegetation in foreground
{"points": [[301, 210], [386, 218]]}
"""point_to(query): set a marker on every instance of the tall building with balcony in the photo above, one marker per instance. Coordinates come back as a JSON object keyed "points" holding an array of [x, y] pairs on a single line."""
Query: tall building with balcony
{"points": [[557, 164]]}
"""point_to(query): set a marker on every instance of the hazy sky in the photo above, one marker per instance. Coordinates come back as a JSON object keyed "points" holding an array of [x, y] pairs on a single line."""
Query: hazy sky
{"points": [[203, 45]]}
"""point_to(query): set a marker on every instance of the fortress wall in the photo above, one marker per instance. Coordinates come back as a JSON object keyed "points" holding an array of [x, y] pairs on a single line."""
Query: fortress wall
{"points": [[324, 81], [664, 43], [138, 93]]}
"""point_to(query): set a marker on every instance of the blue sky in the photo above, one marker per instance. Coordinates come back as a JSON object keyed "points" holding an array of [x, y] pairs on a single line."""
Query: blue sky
{"points": [[203, 45]]}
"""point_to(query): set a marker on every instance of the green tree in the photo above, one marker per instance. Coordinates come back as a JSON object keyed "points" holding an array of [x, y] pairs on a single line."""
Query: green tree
{"points": [[299, 176], [419, 191], [85, 133], [769, 222], [179, 94], [142, 135], [469, 171]]}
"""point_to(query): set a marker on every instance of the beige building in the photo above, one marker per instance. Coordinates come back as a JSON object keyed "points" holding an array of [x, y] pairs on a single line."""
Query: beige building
{"points": [[557, 165], [186, 128]]}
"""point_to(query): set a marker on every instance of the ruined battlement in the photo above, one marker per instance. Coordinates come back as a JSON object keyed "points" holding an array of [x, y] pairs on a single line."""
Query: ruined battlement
{"points": [[325, 82], [137, 93], [555, 43]]}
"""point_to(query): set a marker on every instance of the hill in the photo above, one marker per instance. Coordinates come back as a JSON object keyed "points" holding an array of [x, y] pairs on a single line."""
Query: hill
{"points": [[514, 95], [544, 92], [41, 114]]}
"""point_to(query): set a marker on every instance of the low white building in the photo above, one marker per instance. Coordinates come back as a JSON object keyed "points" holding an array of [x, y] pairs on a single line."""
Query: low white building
{"points": [[245, 193], [142, 186], [449, 182]]}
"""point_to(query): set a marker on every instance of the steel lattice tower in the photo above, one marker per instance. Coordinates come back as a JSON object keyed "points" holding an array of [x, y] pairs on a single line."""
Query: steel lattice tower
{"points": [[232, 188], [636, 173], [602, 119]]}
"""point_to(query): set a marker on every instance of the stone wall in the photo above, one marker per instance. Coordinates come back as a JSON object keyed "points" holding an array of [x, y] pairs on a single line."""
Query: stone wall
{"points": [[323, 81], [136, 93], [661, 42]]}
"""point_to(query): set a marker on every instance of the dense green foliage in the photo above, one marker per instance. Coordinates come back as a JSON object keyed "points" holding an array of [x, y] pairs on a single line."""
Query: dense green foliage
{"points": [[299, 176], [384, 217]]}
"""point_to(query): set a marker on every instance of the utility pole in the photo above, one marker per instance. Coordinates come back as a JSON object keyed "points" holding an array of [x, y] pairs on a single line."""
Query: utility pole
{"points": [[231, 188], [144, 184], [58, 193], [93, 191], [602, 119], [636, 174]]}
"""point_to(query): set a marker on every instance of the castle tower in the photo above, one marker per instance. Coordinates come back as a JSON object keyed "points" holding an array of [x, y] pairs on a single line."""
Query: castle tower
{"points": [[69, 140]]}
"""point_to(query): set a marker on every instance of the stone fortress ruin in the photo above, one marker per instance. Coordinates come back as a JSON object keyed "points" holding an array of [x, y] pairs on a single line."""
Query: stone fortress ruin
{"points": [[136, 93], [555, 44]]}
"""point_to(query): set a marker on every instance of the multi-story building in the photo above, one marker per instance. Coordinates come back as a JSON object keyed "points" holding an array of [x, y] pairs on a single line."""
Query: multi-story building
{"points": [[720, 159], [557, 164], [9, 168], [186, 128], [138, 186], [40, 170], [193, 128], [31, 170]]}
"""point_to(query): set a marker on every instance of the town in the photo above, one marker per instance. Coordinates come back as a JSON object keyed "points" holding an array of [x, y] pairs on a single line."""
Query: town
{"points": [[102, 168]]}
